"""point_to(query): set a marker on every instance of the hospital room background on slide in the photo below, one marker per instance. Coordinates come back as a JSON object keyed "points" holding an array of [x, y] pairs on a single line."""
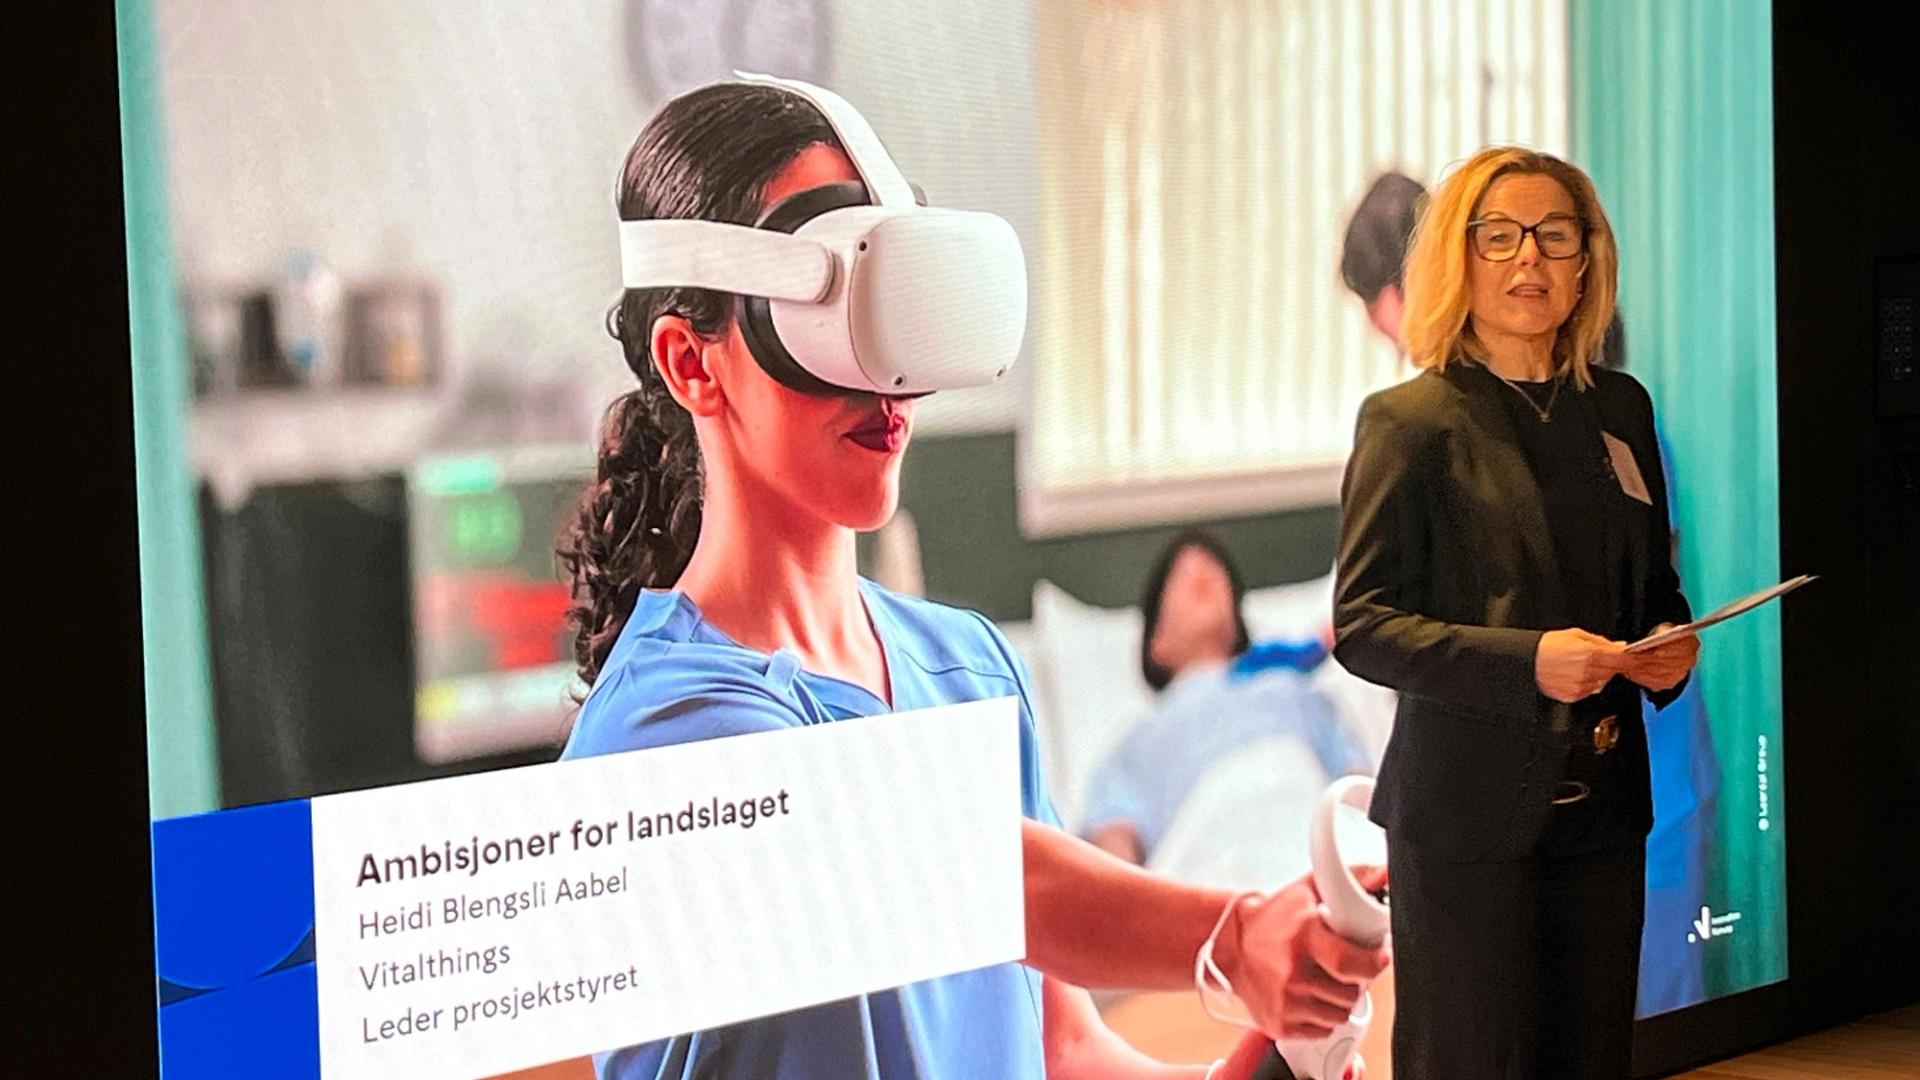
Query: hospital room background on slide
{"points": [[372, 400]]}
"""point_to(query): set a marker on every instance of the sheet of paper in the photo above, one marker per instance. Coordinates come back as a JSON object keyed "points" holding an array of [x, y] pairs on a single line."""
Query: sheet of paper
{"points": [[475, 925], [1722, 613]]}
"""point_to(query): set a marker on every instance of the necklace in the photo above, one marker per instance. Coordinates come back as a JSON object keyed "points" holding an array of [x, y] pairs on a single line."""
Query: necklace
{"points": [[1545, 413]]}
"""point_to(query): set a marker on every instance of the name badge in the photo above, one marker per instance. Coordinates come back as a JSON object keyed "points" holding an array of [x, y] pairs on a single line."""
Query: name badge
{"points": [[1626, 469]]}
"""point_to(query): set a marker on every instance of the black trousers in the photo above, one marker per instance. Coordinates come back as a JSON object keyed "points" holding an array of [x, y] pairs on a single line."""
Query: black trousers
{"points": [[1520, 970]]}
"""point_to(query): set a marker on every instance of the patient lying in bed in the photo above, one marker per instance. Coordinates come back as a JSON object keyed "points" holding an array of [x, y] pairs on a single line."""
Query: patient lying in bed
{"points": [[1238, 725]]}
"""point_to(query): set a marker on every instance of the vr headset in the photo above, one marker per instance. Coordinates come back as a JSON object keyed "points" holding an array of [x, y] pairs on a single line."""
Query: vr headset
{"points": [[853, 287]]}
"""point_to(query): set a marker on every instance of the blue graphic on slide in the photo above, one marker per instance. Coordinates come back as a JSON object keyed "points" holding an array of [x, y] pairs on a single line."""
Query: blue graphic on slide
{"points": [[233, 943]]}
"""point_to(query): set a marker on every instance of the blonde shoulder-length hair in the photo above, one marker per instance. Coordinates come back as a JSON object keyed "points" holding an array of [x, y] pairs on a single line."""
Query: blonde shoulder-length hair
{"points": [[1434, 328]]}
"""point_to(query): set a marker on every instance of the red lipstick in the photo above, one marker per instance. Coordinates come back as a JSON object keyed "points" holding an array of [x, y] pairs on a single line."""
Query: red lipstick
{"points": [[883, 433]]}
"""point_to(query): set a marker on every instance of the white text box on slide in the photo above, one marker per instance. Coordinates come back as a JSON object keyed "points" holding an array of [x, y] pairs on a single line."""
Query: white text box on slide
{"points": [[883, 851]]}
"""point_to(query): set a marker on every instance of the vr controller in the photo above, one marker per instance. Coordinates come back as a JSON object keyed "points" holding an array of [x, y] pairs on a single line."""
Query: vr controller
{"points": [[1353, 913]]}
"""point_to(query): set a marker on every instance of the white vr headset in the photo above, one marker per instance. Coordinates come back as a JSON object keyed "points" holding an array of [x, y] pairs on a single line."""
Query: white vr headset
{"points": [[853, 286]]}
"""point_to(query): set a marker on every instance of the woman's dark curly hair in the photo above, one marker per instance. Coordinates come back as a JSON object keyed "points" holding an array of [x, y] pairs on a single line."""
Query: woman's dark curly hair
{"points": [[708, 154]]}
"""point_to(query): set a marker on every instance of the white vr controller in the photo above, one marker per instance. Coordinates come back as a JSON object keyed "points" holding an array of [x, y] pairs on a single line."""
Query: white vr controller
{"points": [[1354, 914]]}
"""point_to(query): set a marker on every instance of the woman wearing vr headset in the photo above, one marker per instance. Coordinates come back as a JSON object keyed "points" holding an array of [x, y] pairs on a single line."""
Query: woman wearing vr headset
{"points": [[1504, 533], [714, 566]]}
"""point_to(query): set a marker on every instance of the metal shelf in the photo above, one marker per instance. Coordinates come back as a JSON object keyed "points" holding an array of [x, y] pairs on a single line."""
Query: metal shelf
{"points": [[247, 440]]}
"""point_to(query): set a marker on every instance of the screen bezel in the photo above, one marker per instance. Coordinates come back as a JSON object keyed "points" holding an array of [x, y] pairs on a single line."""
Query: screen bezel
{"points": [[1828, 86]]}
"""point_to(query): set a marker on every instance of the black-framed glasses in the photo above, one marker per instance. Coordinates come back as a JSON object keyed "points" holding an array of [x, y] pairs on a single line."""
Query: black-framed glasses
{"points": [[1557, 237]]}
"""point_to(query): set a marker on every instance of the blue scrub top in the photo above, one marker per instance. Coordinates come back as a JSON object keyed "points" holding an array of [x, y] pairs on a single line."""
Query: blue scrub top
{"points": [[673, 678]]}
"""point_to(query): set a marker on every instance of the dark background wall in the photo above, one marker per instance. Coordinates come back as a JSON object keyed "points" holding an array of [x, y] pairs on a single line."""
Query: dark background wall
{"points": [[1847, 218], [1847, 107]]}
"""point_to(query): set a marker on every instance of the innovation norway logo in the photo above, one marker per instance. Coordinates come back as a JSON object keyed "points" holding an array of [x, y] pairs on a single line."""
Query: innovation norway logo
{"points": [[1709, 925], [233, 943]]}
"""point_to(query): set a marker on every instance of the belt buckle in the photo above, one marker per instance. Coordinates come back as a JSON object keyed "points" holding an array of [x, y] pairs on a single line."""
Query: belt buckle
{"points": [[1578, 791], [1605, 734]]}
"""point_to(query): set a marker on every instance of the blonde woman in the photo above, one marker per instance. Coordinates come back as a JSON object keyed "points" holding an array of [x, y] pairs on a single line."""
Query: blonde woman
{"points": [[1504, 534]]}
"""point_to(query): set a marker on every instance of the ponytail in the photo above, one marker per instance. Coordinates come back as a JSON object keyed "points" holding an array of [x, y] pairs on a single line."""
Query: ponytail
{"points": [[635, 529], [706, 155]]}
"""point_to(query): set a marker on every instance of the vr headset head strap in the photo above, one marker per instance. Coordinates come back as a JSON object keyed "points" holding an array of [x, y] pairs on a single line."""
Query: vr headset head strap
{"points": [[886, 186]]}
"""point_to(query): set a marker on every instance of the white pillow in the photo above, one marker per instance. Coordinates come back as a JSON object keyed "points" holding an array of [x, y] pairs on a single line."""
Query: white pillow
{"points": [[1298, 611], [1093, 692], [1020, 636]]}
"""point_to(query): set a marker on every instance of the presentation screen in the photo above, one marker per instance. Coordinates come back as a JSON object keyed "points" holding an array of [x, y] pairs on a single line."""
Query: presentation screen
{"points": [[375, 270]]}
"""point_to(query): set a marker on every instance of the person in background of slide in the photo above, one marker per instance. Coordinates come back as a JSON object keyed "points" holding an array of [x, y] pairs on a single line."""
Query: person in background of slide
{"points": [[1686, 787], [713, 564], [1373, 256], [1503, 536], [1219, 693], [1374, 253]]}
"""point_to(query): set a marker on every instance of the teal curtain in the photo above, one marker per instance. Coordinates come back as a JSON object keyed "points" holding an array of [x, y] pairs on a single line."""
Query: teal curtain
{"points": [[1672, 113], [181, 761]]}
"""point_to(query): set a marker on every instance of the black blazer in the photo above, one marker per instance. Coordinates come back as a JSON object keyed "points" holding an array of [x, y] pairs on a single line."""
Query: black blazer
{"points": [[1447, 578]]}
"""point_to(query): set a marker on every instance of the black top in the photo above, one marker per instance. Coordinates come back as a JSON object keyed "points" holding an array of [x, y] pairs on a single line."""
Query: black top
{"points": [[1568, 461], [1566, 455]]}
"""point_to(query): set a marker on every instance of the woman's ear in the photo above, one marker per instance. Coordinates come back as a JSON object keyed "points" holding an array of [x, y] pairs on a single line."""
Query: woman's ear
{"points": [[679, 353], [1157, 648]]}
